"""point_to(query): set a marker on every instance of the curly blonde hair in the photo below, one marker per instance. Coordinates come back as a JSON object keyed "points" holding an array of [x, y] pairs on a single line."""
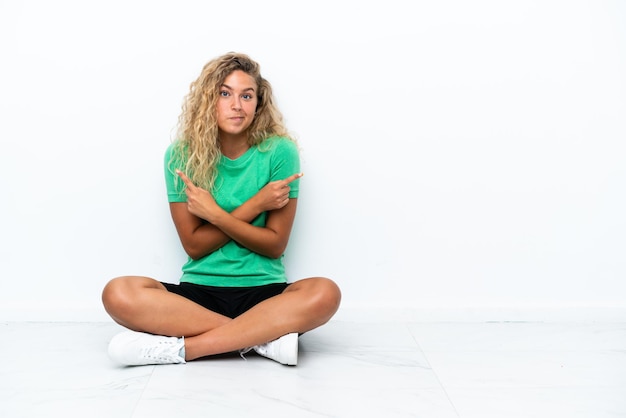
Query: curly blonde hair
{"points": [[197, 142]]}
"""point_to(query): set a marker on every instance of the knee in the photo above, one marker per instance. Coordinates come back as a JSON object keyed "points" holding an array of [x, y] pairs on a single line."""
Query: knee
{"points": [[115, 295], [327, 297]]}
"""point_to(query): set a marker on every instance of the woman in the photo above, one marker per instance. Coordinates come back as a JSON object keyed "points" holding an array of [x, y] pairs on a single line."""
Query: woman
{"points": [[232, 178]]}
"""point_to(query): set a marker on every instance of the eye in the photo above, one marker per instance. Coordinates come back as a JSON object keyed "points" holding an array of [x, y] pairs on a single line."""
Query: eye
{"points": [[224, 93], [247, 96]]}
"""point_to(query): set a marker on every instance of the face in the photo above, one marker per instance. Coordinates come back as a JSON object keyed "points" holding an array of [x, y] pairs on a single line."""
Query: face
{"points": [[236, 104]]}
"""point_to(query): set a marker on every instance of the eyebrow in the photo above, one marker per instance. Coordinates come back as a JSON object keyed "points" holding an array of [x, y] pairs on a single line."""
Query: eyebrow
{"points": [[230, 88]]}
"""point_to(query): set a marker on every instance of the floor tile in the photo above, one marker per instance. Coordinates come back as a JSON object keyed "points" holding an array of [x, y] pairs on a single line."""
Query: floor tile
{"points": [[61, 369], [329, 383], [567, 402], [523, 369], [520, 336]]}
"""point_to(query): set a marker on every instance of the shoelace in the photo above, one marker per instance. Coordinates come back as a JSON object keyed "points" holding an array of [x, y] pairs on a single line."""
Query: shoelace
{"points": [[245, 351], [164, 350], [258, 348]]}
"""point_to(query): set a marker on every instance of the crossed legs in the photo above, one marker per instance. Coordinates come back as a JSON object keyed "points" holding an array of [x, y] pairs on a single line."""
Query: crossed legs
{"points": [[144, 304]]}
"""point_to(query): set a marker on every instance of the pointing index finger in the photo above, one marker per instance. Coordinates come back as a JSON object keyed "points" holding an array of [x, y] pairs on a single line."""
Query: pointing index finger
{"points": [[292, 178], [185, 179]]}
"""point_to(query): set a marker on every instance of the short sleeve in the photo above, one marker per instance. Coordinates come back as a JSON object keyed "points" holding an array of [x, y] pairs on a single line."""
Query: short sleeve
{"points": [[175, 190], [286, 162]]}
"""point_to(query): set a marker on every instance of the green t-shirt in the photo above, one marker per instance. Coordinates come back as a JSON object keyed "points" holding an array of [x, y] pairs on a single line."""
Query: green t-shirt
{"points": [[237, 181]]}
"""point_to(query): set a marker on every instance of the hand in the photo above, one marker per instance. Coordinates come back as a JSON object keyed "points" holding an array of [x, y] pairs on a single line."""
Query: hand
{"points": [[199, 201], [275, 195]]}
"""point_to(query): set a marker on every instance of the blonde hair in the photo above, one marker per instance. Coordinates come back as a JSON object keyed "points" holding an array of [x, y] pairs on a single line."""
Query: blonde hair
{"points": [[197, 146]]}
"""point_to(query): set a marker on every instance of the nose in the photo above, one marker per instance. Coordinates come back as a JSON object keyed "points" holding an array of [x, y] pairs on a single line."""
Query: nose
{"points": [[236, 103]]}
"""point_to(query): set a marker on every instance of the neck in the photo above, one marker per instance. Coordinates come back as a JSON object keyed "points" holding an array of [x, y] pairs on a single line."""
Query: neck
{"points": [[233, 147]]}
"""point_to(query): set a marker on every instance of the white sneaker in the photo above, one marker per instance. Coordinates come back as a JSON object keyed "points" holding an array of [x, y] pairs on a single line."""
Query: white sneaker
{"points": [[138, 348], [283, 350]]}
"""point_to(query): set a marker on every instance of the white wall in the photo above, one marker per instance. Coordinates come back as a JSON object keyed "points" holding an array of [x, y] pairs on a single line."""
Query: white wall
{"points": [[460, 155]]}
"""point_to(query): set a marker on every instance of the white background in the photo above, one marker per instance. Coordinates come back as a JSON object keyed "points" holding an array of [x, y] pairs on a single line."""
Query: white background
{"points": [[458, 155]]}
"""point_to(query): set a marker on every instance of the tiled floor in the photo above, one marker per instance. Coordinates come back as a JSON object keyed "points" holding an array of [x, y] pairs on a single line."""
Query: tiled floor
{"points": [[346, 369]]}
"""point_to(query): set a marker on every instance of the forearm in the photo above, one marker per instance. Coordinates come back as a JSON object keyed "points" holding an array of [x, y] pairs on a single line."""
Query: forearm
{"points": [[203, 238], [261, 240], [271, 239]]}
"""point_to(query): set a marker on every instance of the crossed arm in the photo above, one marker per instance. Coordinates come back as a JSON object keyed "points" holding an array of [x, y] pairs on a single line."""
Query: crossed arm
{"points": [[203, 226]]}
